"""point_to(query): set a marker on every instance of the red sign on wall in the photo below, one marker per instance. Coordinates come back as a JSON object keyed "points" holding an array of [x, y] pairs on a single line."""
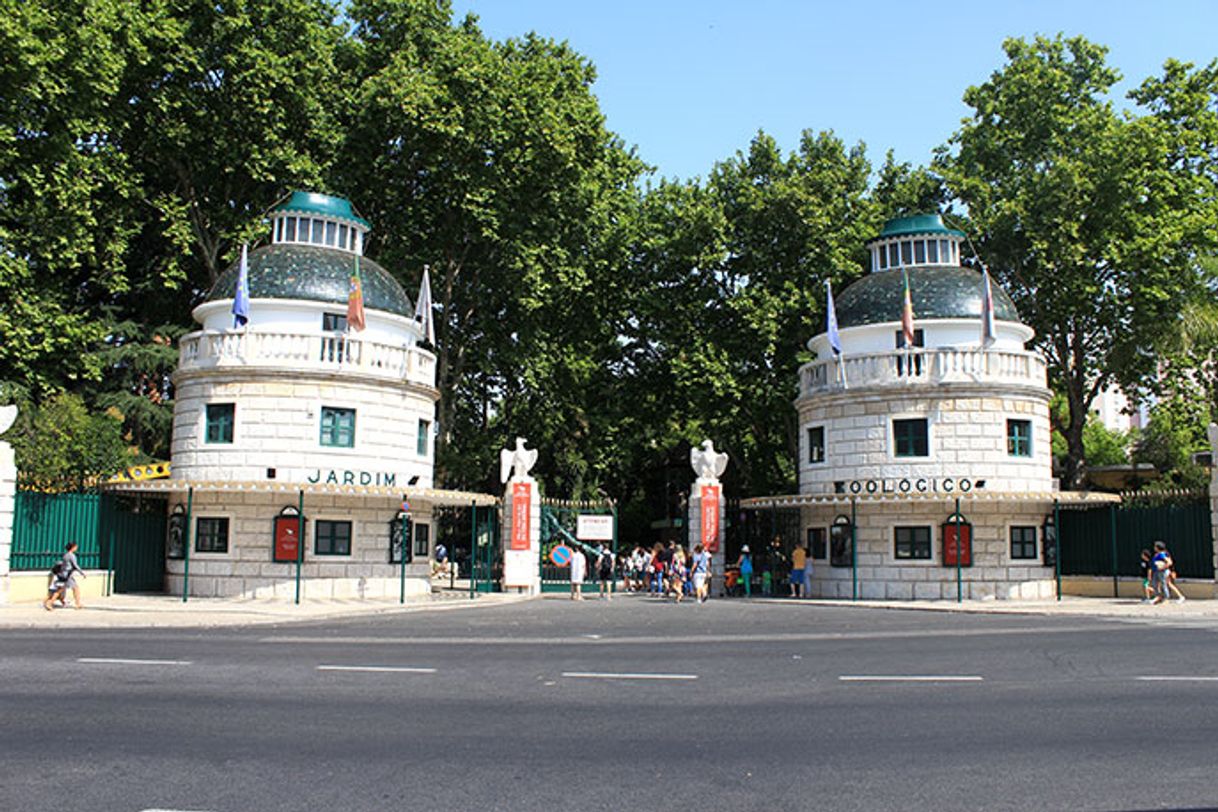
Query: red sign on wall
{"points": [[710, 518], [965, 546], [287, 539], [521, 502]]}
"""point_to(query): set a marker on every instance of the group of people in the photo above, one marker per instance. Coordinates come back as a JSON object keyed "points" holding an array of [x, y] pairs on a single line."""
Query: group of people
{"points": [[668, 571], [1159, 576], [62, 578]]}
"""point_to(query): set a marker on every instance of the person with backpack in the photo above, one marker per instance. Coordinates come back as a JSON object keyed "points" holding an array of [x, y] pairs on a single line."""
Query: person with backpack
{"points": [[604, 570], [701, 573], [63, 578]]}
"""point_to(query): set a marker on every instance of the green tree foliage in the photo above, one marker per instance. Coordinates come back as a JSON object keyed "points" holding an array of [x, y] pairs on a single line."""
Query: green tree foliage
{"points": [[1089, 218], [491, 163], [61, 446], [1175, 432]]}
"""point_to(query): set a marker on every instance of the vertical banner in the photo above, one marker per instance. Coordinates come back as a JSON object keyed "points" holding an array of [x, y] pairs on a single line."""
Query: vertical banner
{"points": [[521, 502], [710, 518]]}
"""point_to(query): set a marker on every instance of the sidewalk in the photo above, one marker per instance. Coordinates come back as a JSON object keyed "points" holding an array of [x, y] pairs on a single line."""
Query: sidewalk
{"points": [[168, 611], [1068, 606]]}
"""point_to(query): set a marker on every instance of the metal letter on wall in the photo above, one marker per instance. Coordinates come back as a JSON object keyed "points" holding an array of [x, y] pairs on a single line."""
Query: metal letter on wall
{"points": [[521, 502], [710, 517]]}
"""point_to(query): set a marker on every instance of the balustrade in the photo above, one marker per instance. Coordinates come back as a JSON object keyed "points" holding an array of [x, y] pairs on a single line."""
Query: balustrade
{"points": [[923, 366], [305, 351]]}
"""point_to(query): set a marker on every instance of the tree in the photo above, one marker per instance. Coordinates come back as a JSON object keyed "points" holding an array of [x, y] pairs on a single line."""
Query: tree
{"points": [[1085, 216], [491, 163], [61, 446]]}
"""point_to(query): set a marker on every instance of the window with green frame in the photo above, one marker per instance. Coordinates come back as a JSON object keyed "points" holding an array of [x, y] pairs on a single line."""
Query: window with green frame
{"points": [[332, 538], [912, 542], [911, 438], [1019, 438], [1023, 542], [422, 540], [337, 427], [220, 418], [211, 534], [421, 444]]}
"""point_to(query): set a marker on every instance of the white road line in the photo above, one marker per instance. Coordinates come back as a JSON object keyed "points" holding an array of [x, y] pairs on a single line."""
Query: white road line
{"points": [[377, 669], [1177, 679], [125, 661], [602, 675], [910, 678]]}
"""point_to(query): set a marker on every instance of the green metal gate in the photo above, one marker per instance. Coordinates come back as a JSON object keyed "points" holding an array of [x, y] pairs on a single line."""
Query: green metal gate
{"points": [[132, 530], [559, 521], [121, 534], [1090, 537], [470, 533]]}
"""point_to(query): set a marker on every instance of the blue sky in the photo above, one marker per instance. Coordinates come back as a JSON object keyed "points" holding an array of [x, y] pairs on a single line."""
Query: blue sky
{"points": [[689, 82]]}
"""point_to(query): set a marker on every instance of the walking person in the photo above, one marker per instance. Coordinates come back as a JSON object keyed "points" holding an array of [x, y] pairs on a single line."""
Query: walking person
{"points": [[745, 565], [798, 559], [1172, 586], [701, 571], [807, 572], [69, 569], [604, 570], [579, 568], [1148, 570], [1161, 562]]}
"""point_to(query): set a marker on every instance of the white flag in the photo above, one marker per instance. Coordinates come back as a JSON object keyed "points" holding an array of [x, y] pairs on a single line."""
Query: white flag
{"points": [[422, 308], [988, 335]]}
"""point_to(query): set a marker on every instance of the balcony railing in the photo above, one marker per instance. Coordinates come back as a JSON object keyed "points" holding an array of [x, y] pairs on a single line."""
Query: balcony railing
{"points": [[900, 368], [207, 349]]}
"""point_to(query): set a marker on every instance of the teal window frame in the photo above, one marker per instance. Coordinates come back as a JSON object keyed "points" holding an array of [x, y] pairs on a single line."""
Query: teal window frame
{"points": [[912, 543], [422, 540], [1023, 544], [331, 537], [211, 534], [422, 442], [911, 437], [1019, 438], [220, 421], [337, 427]]}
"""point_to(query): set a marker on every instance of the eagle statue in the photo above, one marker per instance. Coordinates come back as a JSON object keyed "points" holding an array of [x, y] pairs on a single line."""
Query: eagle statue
{"points": [[707, 462], [516, 462]]}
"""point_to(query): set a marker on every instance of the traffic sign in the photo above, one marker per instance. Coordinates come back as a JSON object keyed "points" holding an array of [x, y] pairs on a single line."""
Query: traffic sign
{"points": [[561, 555]]}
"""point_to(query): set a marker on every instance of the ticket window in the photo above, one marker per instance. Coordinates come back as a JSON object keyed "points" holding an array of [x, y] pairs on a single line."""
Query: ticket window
{"points": [[957, 544]]}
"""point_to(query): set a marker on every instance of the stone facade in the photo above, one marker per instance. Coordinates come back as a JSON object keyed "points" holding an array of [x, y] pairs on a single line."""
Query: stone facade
{"points": [[246, 569], [994, 574], [967, 438], [277, 426]]}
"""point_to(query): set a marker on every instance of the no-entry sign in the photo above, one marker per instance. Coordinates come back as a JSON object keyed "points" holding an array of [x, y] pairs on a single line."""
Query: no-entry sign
{"points": [[561, 555]]}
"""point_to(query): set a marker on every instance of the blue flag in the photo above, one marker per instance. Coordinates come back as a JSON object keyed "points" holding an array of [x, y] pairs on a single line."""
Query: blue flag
{"points": [[241, 300], [835, 340]]}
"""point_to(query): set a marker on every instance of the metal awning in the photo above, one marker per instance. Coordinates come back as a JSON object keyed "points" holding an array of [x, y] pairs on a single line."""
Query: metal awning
{"points": [[431, 496], [1062, 498]]}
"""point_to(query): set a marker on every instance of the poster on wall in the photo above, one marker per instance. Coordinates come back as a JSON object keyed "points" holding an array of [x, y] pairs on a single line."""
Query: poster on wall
{"points": [[521, 502], [710, 517]]}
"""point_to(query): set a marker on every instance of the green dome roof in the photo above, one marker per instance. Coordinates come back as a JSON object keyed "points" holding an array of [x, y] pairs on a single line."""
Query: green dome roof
{"points": [[315, 274], [917, 224], [936, 292], [323, 205]]}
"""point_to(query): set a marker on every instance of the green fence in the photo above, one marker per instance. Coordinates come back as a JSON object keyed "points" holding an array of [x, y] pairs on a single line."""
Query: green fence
{"points": [[1088, 537], [559, 523], [125, 535]]}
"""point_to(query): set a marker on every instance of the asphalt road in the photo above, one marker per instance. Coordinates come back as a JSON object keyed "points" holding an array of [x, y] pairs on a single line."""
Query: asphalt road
{"points": [[624, 705]]}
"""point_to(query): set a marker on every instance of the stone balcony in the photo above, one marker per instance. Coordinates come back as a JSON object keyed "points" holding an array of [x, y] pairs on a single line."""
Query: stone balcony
{"points": [[904, 368], [306, 353]]}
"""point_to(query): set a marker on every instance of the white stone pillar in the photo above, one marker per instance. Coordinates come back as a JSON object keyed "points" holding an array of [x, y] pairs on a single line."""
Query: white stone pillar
{"points": [[1212, 433], [8, 496], [707, 510], [522, 535]]}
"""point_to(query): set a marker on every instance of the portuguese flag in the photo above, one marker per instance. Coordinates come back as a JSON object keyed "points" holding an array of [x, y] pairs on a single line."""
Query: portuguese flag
{"points": [[355, 300]]}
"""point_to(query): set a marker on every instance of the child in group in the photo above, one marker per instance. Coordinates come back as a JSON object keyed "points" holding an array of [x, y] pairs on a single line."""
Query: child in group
{"points": [[58, 588], [1148, 592]]}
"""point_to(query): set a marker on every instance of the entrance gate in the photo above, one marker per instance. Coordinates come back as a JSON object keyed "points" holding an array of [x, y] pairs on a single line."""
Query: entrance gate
{"points": [[124, 535], [470, 533], [560, 526]]}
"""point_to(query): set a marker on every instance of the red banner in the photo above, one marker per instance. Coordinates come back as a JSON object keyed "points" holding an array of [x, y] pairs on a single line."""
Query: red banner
{"points": [[710, 518], [287, 539], [521, 504]]}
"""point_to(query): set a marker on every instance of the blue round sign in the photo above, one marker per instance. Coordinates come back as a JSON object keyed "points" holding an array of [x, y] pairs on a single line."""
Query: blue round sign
{"points": [[561, 555]]}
